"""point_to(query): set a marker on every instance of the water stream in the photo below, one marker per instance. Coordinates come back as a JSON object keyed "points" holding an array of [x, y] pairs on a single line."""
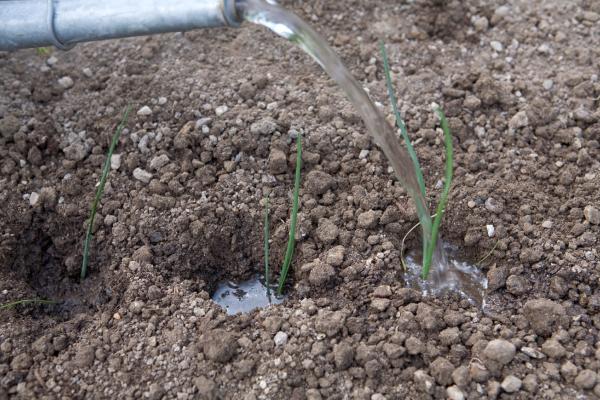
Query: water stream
{"points": [[443, 274]]}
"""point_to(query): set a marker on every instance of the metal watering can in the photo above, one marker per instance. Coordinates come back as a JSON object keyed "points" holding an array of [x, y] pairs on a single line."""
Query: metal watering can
{"points": [[63, 23]]}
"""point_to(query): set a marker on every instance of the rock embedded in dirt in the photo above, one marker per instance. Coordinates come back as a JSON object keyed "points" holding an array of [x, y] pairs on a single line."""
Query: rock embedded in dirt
{"points": [[207, 388], [586, 379], [493, 205], [592, 215], [553, 349], [423, 381], [544, 315], [327, 232], [144, 111], [277, 162], [84, 358], [75, 151], [511, 384], [343, 356], [220, 346], [519, 120], [321, 274], [414, 346], [9, 125], [159, 161], [318, 182], [280, 338], [368, 219], [143, 254], [335, 256], [142, 175], [531, 254], [500, 350], [66, 82], [330, 322], [441, 369], [265, 126], [497, 276], [454, 393], [380, 304], [21, 362], [517, 285]]}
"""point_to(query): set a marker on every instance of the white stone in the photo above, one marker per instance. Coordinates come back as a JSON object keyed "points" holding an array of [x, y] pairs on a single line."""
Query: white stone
{"points": [[33, 198], [87, 72], [159, 161], [454, 393], [66, 82], [221, 110], [547, 224], [280, 338], [491, 231], [547, 84], [142, 175], [51, 60], [115, 161], [162, 101], [363, 154], [511, 384], [497, 46], [144, 111]]}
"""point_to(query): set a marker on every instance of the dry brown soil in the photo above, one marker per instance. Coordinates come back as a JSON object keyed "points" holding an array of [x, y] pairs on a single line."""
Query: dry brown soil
{"points": [[519, 83]]}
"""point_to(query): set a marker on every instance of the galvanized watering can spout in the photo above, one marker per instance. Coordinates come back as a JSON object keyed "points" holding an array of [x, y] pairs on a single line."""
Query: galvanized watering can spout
{"points": [[63, 23]]}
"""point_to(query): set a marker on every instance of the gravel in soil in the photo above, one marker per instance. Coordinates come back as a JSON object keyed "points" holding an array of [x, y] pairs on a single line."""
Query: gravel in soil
{"points": [[216, 114]]}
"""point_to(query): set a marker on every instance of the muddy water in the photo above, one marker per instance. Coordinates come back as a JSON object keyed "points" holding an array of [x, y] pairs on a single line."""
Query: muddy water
{"points": [[245, 296], [444, 274]]}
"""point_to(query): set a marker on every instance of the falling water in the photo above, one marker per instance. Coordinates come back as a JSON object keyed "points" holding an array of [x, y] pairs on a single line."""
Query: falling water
{"points": [[294, 29]]}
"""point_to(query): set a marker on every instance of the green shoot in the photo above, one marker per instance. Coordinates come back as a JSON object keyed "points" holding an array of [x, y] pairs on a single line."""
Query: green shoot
{"points": [[293, 218], [399, 122], [444, 198], [43, 51], [100, 191], [430, 231], [23, 302], [266, 234]]}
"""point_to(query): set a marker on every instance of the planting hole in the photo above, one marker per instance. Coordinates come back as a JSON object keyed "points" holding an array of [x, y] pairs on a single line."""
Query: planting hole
{"points": [[459, 276], [245, 296]]}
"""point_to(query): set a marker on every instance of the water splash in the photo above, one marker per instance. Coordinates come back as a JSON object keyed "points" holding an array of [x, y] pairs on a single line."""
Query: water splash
{"points": [[294, 29], [457, 277], [246, 296]]}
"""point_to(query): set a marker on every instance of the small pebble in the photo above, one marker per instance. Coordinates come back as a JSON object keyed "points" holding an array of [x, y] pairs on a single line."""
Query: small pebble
{"points": [[511, 384], [221, 110], [454, 393], [547, 224], [33, 198], [144, 111], [51, 60], [491, 231], [548, 84], [162, 101], [497, 46], [65, 82], [280, 338], [115, 161], [142, 175]]}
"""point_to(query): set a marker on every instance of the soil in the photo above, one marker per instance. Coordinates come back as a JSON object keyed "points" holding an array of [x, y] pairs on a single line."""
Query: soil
{"points": [[182, 210]]}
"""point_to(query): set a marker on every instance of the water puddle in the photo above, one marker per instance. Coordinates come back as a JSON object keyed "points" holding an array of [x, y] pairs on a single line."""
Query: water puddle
{"points": [[245, 296], [457, 277]]}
